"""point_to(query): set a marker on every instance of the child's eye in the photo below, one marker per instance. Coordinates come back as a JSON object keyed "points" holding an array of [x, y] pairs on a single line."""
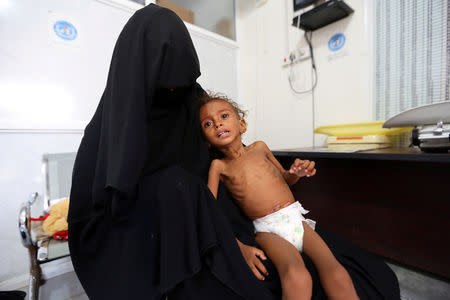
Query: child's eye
{"points": [[224, 116], [207, 124]]}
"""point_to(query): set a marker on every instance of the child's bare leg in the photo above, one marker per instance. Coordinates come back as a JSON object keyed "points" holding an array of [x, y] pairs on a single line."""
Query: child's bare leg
{"points": [[296, 281], [333, 276]]}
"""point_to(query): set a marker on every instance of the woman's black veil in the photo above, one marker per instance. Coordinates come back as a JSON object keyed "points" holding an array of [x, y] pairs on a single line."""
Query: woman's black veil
{"points": [[153, 54]]}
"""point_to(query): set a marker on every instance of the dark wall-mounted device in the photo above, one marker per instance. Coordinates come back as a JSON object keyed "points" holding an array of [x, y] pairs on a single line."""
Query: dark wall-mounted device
{"points": [[299, 4], [322, 15]]}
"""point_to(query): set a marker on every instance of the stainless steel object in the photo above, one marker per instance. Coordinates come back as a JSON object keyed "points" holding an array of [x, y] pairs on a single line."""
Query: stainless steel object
{"points": [[27, 241], [57, 172], [432, 122]]}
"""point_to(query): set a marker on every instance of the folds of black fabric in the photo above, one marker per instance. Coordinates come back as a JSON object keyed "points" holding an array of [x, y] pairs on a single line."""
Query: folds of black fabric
{"points": [[147, 117], [179, 241], [175, 235]]}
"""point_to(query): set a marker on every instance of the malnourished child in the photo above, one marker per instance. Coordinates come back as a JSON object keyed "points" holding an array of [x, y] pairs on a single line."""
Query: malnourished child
{"points": [[260, 186]]}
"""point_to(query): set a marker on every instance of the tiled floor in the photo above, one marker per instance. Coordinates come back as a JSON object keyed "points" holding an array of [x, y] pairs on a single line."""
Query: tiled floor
{"points": [[82, 296], [418, 286], [413, 286]]}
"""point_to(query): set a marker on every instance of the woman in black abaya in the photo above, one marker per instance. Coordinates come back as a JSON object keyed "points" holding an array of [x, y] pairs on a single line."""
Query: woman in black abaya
{"points": [[142, 223]]}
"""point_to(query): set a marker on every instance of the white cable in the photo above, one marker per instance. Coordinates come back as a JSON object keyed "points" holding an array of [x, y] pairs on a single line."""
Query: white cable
{"points": [[314, 78], [313, 65]]}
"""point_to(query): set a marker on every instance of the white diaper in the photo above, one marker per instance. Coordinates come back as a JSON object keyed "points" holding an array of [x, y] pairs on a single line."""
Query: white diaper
{"points": [[287, 223]]}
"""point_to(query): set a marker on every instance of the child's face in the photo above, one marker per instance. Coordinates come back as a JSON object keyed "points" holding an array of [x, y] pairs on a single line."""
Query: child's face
{"points": [[220, 123]]}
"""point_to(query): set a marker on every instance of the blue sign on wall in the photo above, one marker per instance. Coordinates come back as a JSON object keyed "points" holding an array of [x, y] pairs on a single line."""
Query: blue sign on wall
{"points": [[336, 42], [65, 30]]}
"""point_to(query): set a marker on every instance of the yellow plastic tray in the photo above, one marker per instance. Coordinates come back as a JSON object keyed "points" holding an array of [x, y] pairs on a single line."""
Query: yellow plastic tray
{"points": [[358, 129]]}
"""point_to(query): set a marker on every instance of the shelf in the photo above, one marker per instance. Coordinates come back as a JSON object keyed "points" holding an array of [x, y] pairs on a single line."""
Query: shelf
{"points": [[395, 154]]}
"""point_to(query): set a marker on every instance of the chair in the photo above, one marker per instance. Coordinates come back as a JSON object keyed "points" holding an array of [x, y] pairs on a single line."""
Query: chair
{"points": [[57, 172]]}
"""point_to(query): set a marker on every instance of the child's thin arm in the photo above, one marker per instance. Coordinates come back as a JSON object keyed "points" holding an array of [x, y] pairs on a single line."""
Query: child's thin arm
{"points": [[214, 176], [291, 178], [298, 169]]}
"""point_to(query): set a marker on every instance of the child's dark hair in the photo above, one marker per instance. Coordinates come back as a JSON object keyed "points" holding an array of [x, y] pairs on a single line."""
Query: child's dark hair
{"points": [[209, 96]]}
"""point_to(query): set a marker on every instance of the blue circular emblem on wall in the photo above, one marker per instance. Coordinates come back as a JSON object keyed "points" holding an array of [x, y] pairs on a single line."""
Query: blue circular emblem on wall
{"points": [[65, 30], [336, 42]]}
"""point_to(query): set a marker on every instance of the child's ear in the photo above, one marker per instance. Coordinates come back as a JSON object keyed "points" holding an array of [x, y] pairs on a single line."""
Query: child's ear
{"points": [[243, 126]]}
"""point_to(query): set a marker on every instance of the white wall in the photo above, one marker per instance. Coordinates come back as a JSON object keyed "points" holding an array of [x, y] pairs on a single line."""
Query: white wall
{"points": [[31, 62], [46, 82], [49, 83], [343, 94]]}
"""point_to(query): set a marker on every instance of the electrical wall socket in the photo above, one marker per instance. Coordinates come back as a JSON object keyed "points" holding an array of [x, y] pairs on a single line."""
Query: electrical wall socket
{"points": [[296, 56]]}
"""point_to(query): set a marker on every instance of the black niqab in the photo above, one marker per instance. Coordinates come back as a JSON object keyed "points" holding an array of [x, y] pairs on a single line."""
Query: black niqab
{"points": [[147, 117]]}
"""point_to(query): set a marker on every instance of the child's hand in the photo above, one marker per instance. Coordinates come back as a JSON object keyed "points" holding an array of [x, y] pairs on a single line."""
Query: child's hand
{"points": [[250, 255], [303, 168]]}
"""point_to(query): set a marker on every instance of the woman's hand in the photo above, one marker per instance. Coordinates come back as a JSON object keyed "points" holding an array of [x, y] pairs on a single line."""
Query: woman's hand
{"points": [[250, 255]]}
